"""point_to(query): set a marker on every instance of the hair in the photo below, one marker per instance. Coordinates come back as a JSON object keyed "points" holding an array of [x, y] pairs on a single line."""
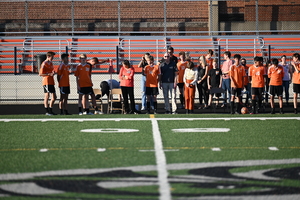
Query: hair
{"points": [[95, 59], [127, 63], [216, 60], [258, 59], [147, 54], [104, 88], [50, 54], [151, 58], [203, 60], [275, 61], [182, 53], [228, 53], [244, 59], [190, 65], [238, 56], [210, 52], [283, 56], [170, 48], [64, 55], [296, 55], [82, 56]]}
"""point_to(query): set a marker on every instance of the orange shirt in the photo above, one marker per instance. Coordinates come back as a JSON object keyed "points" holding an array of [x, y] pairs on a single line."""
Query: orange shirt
{"points": [[296, 75], [209, 63], [257, 75], [152, 73], [63, 71], [181, 67], [246, 80], [83, 73], [276, 75], [47, 68], [237, 74]]}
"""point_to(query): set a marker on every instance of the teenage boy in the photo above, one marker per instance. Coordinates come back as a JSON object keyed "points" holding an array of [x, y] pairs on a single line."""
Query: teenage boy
{"points": [[63, 73], [276, 74], [84, 82], [214, 80], [143, 63], [226, 77], [237, 73], [181, 66], [257, 73], [209, 59], [47, 72], [295, 70], [152, 73]]}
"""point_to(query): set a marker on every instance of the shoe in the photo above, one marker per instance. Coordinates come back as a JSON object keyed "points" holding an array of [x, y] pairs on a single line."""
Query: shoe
{"points": [[273, 111], [223, 105], [52, 113], [97, 112], [167, 112], [80, 113], [155, 112], [143, 108], [48, 114], [295, 111], [68, 113], [174, 113], [147, 112], [87, 113], [187, 112], [281, 111]]}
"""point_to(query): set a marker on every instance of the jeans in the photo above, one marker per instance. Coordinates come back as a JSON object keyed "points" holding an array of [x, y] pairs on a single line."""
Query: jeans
{"points": [[144, 96], [128, 91], [286, 87], [226, 87], [168, 89]]}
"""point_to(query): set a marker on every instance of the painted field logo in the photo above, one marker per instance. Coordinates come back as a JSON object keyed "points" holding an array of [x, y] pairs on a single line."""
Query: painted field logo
{"points": [[231, 180]]}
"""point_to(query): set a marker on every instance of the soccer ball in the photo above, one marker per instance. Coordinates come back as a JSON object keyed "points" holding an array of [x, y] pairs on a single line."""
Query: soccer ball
{"points": [[244, 110]]}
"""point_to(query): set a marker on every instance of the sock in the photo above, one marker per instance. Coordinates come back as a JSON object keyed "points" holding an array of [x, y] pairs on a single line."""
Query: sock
{"points": [[61, 111], [238, 107], [181, 99], [87, 110], [80, 109], [148, 105], [66, 112], [47, 110], [232, 106], [50, 110], [155, 105]]}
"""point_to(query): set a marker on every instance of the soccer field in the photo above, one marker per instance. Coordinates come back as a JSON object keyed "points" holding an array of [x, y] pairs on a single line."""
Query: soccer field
{"points": [[150, 157]]}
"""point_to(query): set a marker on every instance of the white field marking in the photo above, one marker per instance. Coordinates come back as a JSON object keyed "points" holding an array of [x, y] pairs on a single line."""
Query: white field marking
{"points": [[109, 130], [101, 149], [80, 120], [152, 150], [273, 148], [198, 130], [216, 149], [148, 119], [161, 163], [43, 150]]}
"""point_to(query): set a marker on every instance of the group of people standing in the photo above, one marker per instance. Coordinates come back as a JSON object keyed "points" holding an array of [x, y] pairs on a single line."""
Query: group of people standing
{"points": [[233, 76]]}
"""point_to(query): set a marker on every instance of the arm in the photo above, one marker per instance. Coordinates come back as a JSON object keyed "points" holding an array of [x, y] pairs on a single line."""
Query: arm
{"points": [[208, 82], [194, 82]]}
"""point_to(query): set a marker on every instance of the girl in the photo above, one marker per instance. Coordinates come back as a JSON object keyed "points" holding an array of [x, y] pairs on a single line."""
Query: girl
{"points": [[190, 80], [202, 82]]}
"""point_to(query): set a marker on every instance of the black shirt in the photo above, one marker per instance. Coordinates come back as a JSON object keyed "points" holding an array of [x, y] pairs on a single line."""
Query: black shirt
{"points": [[215, 76], [168, 72]]}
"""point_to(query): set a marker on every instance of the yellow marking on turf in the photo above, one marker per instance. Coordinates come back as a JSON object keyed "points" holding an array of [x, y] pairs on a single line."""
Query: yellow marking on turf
{"points": [[152, 116]]}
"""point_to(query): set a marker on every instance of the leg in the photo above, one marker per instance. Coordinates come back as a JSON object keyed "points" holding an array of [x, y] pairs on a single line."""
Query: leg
{"points": [[295, 100], [125, 98], [173, 97], [166, 96], [46, 98], [199, 88], [131, 96], [143, 87]]}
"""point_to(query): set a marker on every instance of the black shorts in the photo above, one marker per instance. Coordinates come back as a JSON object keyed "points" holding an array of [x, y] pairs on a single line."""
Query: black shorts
{"points": [[236, 92], [215, 94], [64, 90], [152, 91], [86, 90], [257, 91], [276, 90], [296, 88], [180, 85], [49, 88]]}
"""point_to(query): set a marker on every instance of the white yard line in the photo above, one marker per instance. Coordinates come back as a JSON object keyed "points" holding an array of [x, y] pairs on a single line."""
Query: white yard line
{"points": [[161, 163]]}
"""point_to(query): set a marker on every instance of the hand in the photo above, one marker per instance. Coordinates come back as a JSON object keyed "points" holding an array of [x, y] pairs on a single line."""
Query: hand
{"points": [[187, 85], [209, 86], [199, 81]]}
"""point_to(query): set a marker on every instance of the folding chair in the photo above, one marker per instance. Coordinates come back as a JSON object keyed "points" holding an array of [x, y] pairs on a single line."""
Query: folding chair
{"points": [[214, 91], [115, 97], [99, 100]]}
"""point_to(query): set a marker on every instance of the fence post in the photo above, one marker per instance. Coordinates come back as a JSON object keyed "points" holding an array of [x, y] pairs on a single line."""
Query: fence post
{"points": [[117, 54], [15, 60], [219, 56], [67, 50], [269, 52]]}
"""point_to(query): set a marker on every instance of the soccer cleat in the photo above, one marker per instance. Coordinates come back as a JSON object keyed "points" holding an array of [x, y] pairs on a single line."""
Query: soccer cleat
{"points": [[80, 113]]}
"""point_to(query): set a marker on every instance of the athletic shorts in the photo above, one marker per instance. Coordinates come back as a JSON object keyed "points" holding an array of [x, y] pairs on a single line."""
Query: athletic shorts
{"points": [[236, 92], [86, 90], [257, 91], [64, 90], [296, 88], [276, 90], [152, 91], [49, 88], [180, 85]]}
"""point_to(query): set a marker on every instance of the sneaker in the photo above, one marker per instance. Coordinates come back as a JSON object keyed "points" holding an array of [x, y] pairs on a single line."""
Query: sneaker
{"points": [[97, 112], [281, 111], [295, 111], [87, 113], [272, 112], [155, 112], [143, 108], [174, 113], [48, 114], [80, 113]]}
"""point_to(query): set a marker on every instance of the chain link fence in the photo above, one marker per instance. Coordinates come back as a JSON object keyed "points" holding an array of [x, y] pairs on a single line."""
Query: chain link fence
{"points": [[159, 17]]}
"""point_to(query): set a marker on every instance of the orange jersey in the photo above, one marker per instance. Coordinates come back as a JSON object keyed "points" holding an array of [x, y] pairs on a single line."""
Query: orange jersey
{"points": [[276, 75], [152, 73], [181, 67], [296, 75], [209, 63], [47, 68], [257, 75], [237, 74], [246, 80], [83, 72], [63, 71]]}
